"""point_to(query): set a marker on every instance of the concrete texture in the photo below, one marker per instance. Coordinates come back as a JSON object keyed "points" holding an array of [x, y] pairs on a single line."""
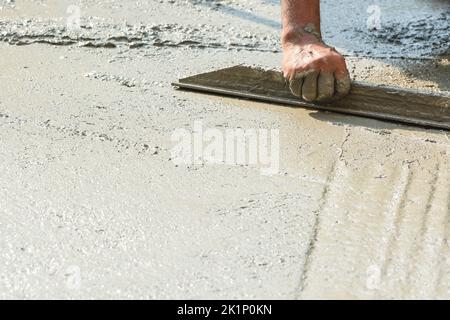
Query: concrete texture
{"points": [[92, 206]]}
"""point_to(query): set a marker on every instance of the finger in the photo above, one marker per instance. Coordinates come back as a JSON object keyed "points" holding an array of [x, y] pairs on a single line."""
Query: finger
{"points": [[343, 85], [309, 88], [296, 86], [325, 86]]}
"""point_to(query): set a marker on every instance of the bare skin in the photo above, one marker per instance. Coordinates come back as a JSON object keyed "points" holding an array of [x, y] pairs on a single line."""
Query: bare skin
{"points": [[316, 72]]}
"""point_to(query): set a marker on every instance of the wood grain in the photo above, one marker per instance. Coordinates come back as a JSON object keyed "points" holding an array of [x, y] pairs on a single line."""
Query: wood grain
{"points": [[374, 101]]}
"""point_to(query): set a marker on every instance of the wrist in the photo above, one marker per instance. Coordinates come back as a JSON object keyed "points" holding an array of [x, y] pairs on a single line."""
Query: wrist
{"points": [[300, 35]]}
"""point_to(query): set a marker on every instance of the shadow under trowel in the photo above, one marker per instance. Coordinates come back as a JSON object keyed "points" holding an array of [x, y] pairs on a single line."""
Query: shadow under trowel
{"points": [[332, 118], [370, 123]]}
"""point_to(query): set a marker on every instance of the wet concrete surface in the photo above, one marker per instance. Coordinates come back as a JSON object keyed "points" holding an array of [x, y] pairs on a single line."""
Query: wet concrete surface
{"points": [[93, 207]]}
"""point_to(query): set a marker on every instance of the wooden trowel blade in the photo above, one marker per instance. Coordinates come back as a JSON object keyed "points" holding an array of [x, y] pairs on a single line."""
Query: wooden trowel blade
{"points": [[373, 101]]}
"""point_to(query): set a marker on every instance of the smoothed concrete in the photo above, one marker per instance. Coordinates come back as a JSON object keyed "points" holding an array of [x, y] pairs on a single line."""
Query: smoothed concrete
{"points": [[91, 206]]}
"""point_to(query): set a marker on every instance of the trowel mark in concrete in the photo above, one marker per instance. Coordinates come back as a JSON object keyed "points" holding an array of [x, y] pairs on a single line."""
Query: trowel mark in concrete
{"points": [[355, 222], [317, 221], [395, 215], [426, 251], [444, 259], [411, 254], [314, 235], [333, 246]]}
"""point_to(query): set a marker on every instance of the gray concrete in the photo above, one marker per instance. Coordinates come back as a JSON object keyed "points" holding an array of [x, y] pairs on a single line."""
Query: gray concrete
{"points": [[91, 206]]}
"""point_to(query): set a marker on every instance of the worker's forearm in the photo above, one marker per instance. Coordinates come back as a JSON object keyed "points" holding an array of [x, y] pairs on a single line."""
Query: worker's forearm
{"points": [[299, 14]]}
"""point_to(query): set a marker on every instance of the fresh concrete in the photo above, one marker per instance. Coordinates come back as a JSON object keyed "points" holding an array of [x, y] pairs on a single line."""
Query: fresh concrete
{"points": [[92, 206]]}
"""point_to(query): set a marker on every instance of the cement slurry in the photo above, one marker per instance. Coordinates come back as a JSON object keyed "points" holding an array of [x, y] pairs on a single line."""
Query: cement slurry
{"points": [[92, 206]]}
